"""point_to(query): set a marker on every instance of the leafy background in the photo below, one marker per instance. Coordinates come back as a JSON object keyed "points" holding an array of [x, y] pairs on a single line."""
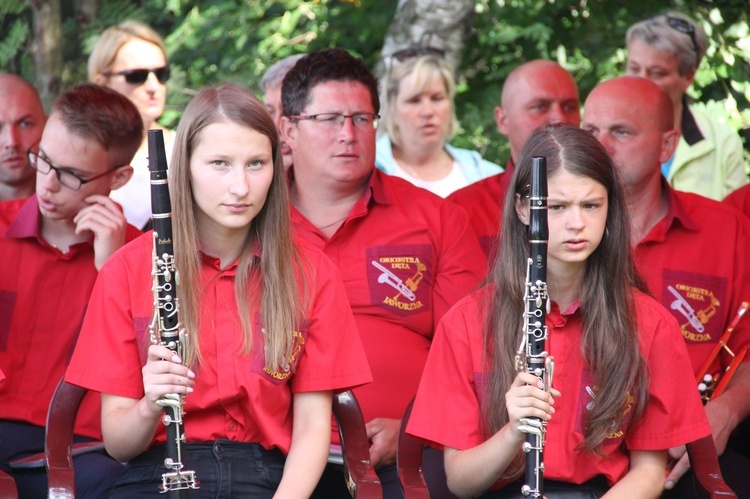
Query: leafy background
{"points": [[213, 41]]}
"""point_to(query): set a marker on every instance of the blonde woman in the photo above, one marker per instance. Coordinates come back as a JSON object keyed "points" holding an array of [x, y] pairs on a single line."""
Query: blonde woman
{"points": [[272, 334]]}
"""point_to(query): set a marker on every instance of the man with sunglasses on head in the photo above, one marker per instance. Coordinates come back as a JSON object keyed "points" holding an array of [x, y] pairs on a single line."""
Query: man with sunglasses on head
{"points": [[405, 254], [52, 247], [131, 58], [667, 49], [21, 123]]}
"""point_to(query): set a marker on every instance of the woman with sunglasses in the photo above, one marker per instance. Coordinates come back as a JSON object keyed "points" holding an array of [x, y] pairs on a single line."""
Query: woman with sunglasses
{"points": [[131, 58], [667, 49], [418, 121]]}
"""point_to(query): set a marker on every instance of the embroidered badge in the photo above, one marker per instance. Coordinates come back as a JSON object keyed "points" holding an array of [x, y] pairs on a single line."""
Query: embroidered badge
{"points": [[400, 277], [696, 301]]}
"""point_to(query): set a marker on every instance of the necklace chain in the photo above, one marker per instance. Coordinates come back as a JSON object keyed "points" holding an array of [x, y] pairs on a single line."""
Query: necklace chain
{"points": [[332, 223]]}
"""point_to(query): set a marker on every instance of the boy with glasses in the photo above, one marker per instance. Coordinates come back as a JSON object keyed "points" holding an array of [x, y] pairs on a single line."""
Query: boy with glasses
{"points": [[52, 246]]}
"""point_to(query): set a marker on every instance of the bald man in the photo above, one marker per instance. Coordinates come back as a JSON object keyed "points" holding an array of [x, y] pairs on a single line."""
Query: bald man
{"points": [[692, 251], [21, 123], [536, 93]]}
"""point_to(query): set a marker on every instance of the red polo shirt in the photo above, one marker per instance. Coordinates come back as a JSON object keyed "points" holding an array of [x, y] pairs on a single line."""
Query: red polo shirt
{"points": [[43, 297], [448, 407], [406, 257], [483, 201], [235, 396], [740, 199], [695, 262]]}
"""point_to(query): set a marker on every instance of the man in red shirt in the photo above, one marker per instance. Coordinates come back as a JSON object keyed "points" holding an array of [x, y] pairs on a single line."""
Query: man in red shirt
{"points": [[52, 246], [406, 255], [692, 251], [21, 124], [536, 93]]}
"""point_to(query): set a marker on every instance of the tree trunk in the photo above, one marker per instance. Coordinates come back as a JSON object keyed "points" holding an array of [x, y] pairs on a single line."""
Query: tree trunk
{"points": [[441, 24], [46, 48]]}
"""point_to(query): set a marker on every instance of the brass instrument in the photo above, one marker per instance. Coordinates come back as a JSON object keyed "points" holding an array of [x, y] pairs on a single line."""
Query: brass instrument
{"points": [[711, 385]]}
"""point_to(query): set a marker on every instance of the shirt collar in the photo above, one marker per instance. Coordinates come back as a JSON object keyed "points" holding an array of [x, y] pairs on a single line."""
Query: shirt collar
{"points": [[27, 223], [690, 131], [676, 209]]}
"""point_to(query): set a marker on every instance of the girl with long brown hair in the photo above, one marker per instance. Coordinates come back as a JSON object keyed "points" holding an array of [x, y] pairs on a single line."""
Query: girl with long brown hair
{"points": [[271, 333], [622, 386]]}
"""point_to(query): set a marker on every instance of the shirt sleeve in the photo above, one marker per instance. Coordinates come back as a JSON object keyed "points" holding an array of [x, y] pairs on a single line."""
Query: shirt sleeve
{"points": [[447, 410]]}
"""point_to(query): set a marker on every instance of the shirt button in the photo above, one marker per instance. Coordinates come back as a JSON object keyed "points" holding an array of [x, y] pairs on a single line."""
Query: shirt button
{"points": [[232, 426]]}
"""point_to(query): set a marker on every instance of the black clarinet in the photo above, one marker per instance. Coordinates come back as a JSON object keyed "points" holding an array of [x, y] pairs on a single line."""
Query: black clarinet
{"points": [[165, 328], [531, 356]]}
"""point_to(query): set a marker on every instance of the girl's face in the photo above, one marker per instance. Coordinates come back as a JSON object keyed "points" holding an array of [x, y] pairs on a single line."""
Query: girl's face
{"points": [[231, 170], [577, 216], [150, 96], [423, 117]]}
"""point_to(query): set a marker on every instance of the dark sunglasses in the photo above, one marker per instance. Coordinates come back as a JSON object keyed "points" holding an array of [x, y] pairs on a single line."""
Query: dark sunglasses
{"points": [[139, 76], [404, 54], [685, 27]]}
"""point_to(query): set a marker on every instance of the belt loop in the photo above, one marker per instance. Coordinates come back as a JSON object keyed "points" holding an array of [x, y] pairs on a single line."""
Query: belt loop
{"points": [[257, 452]]}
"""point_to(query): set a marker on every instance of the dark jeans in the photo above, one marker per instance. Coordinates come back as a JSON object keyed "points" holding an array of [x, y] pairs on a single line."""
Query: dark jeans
{"points": [[95, 472], [594, 488], [223, 468], [332, 484]]}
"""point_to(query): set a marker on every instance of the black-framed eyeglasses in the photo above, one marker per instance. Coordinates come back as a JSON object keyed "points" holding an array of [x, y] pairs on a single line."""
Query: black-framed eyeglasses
{"points": [[139, 76], [404, 54], [334, 121], [43, 165], [687, 28]]}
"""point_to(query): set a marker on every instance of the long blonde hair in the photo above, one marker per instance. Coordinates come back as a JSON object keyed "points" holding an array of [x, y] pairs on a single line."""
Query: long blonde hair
{"points": [[272, 274]]}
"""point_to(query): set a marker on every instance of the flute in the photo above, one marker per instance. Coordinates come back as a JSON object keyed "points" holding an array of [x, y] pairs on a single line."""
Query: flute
{"points": [[531, 356], [165, 328]]}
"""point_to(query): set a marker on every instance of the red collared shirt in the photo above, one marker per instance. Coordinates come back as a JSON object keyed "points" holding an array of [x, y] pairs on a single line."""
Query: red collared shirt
{"points": [[43, 297], [406, 257], [695, 262], [235, 397], [483, 201], [448, 407]]}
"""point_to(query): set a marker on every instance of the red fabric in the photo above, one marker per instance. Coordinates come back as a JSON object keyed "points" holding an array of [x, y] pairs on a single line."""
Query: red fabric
{"points": [[740, 199], [699, 251], [43, 297], [447, 410], [483, 201], [234, 396], [399, 233]]}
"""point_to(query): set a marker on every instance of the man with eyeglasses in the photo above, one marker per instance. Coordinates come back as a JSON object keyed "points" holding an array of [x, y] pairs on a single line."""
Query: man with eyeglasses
{"points": [[52, 246], [405, 254], [667, 49], [534, 94], [21, 123]]}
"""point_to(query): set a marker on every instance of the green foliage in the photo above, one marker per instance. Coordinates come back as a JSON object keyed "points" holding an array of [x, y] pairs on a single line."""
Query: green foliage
{"points": [[213, 41]]}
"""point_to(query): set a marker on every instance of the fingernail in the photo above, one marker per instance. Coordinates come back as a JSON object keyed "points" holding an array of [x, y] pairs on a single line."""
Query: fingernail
{"points": [[190, 389], [669, 485], [191, 374], [176, 358]]}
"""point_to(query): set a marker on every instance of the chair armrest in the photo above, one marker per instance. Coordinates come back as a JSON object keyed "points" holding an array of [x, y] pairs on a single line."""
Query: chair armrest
{"points": [[409, 456], [8, 488], [362, 481], [708, 480]]}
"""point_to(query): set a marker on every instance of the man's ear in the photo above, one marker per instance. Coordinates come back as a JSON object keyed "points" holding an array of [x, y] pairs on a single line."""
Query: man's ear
{"points": [[670, 139], [289, 132], [522, 210], [121, 177], [501, 120]]}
